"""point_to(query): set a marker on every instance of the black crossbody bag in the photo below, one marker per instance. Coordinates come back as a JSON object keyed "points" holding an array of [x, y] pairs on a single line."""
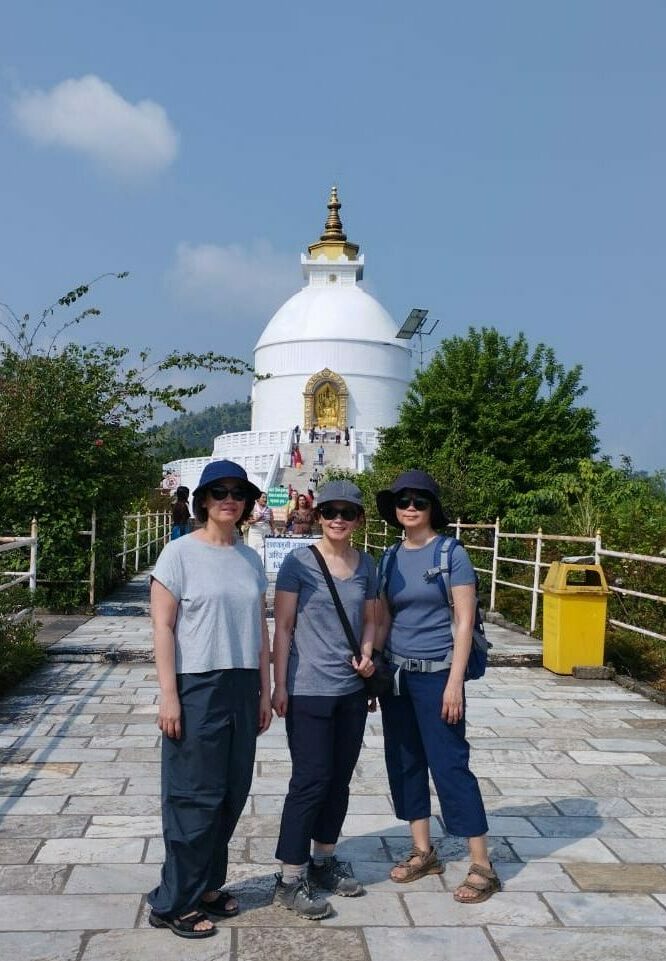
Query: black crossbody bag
{"points": [[381, 682]]}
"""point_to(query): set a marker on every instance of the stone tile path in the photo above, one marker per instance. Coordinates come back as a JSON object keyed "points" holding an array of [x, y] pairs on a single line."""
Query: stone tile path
{"points": [[573, 774]]}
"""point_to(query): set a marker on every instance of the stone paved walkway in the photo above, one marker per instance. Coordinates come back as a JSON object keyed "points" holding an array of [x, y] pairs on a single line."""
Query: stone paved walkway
{"points": [[573, 774]]}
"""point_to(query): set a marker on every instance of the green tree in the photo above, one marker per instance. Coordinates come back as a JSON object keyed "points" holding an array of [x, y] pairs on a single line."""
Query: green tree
{"points": [[73, 438], [192, 434], [492, 419]]}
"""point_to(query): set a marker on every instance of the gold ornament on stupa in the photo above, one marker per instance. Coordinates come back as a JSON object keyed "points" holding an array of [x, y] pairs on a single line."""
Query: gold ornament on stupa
{"points": [[333, 243]]}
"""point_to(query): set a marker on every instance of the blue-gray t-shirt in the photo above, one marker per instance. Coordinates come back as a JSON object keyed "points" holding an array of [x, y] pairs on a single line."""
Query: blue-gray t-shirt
{"points": [[421, 616], [320, 655], [219, 592]]}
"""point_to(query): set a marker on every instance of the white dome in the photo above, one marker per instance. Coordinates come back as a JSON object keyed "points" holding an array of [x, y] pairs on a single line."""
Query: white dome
{"points": [[331, 313]]}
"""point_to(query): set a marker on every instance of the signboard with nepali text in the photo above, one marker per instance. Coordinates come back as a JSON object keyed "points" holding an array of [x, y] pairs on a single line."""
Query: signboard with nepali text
{"points": [[277, 548]]}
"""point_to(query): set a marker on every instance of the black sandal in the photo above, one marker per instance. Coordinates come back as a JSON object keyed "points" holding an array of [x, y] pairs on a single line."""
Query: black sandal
{"points": [[183, 927], [218, 908]]}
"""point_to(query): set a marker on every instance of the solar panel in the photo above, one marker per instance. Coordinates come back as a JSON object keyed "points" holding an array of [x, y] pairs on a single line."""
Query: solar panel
{"points": [[413, 324]]}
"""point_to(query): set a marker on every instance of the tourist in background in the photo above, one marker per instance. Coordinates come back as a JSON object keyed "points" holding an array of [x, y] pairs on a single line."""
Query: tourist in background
{"points": [[338, 435], [260, 524], [316, 478], [319, 688], [346, 437], [180, 513], [320, 455], [302, 518], [424, 726], [212, 659]]}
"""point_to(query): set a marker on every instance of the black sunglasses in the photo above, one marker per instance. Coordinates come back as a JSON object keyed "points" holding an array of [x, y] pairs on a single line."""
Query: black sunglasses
{"points": [[329, 513], [405, 500], [235, 493]]}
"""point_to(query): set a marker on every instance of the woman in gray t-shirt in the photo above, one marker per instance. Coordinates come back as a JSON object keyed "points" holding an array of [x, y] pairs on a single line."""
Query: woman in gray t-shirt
{"points": [[212, 657], [319, 688]]}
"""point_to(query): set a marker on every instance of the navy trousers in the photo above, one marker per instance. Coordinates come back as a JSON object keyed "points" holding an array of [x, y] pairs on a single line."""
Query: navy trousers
{"points": [[416, 740], [325, 735], [206, 778]]}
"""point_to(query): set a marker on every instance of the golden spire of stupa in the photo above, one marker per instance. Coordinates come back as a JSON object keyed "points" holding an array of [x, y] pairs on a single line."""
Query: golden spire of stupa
{"points": [[333, 243]]}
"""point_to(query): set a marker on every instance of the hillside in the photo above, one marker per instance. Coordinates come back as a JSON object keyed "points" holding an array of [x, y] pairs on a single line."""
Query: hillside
{"points": [[191, 434]]}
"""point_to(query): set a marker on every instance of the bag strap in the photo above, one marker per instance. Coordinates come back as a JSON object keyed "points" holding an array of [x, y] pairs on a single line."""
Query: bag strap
{"points": [[446, 549], [351, 640], [386, 565]]}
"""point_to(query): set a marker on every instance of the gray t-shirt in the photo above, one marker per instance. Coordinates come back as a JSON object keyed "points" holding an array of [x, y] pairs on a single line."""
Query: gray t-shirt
{"points": [[421, 617], [320, 655], [218, 589]]}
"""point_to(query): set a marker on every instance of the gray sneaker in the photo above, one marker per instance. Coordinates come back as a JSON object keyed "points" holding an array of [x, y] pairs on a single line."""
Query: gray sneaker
{"points": [[298, 896], [335, 876]]}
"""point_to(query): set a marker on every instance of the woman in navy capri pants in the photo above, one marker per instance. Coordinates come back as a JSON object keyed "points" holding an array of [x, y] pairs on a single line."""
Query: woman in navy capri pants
{"points": [[424, 725]]}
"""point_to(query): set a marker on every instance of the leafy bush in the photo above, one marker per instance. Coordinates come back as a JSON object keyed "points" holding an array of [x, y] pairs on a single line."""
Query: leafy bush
{"points": [[19, 651]]}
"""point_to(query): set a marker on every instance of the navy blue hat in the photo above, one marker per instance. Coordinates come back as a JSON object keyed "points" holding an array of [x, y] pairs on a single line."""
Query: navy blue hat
{"points": [[411, 480], [218, 469]]}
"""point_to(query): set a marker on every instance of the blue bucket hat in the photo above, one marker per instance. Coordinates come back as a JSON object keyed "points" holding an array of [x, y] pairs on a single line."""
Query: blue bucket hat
{"points": [[217, 470], [411, 480]]}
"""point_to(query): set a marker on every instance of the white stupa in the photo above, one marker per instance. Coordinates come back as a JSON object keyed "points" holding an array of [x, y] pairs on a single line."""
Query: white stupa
{"points": [[328, 357], [331, 349]]}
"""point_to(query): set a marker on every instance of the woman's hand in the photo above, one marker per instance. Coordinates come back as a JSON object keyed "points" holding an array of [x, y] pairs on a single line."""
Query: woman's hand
{"points": [[364, 667], [453, 706], [265, 712], [280, 700], [168, 718]]}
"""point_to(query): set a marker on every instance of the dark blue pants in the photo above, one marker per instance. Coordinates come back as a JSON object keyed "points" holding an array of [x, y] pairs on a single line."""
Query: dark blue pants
{"points": [[206, 778], [416, 740], [325, 736]]}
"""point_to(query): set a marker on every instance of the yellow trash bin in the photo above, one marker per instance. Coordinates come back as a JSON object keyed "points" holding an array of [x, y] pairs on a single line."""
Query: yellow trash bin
{"points": [[574, 616]]}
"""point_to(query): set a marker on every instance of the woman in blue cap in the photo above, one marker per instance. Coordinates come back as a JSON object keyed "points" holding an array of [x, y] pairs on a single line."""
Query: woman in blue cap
{"points": [[319, 688], [212, 657], [424, 725]]}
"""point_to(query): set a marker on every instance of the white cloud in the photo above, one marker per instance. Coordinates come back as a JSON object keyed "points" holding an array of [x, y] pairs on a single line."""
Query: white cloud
{"points": [[234, 280], [88, 115]]}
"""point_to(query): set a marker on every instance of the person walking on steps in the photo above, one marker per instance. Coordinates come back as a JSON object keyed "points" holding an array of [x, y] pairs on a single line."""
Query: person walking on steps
{"points": [[424, 724], [212, 657], [180, 514], [319, 689]]}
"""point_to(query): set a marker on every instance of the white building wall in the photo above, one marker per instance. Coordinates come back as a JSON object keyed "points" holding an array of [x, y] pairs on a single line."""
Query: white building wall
{"points": [[376, 375]]}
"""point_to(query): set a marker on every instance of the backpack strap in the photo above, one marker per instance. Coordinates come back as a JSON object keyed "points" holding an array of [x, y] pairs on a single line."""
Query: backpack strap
{"points": [[385, 570], [444, 548]]}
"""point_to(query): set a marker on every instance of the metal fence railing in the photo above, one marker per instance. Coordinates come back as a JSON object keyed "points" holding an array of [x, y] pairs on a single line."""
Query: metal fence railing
{"points": [[144, 536], [13, 578], [377, 536]]}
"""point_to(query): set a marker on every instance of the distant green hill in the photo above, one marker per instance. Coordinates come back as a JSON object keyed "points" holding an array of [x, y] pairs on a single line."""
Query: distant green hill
{"points": [[192, 434]]}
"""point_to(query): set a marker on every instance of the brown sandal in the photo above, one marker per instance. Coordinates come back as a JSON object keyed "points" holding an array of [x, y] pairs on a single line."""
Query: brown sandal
{"points": [[417, 865], [491, 884]]}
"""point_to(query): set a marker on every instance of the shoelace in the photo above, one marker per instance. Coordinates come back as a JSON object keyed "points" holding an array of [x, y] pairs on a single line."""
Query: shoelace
{"points": [[341, 868], [308, 891]]}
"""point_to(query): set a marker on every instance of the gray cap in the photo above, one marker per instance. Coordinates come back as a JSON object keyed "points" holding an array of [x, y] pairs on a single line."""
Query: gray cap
{"points": [[339, 490]]}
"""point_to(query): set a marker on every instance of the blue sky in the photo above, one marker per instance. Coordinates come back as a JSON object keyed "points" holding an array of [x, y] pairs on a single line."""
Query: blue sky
{"points": [[501, 163]]}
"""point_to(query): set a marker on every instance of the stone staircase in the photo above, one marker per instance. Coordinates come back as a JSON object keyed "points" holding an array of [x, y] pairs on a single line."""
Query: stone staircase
{"points": [[336, 455]]}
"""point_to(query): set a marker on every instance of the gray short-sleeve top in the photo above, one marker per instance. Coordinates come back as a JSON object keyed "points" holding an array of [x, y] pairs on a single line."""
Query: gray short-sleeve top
{"points": [[320, 656], [421, 617], [219, 592]]}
